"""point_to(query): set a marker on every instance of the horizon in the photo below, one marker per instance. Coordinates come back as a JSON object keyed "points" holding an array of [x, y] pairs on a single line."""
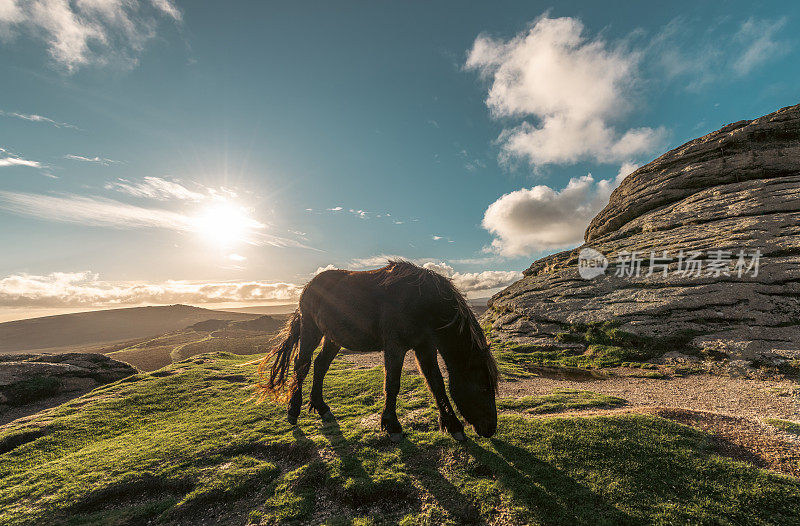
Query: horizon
{"points": [[141, 163]]}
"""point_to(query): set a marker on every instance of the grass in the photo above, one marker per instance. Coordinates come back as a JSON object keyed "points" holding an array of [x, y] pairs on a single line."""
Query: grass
{"points": [[602, 345], [561, 400], [184, 446], [793, 428]]}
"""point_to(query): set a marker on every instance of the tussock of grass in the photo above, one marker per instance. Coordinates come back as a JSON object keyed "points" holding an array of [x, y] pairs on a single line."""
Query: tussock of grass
{"points": [[561, 400], [182, 447]]}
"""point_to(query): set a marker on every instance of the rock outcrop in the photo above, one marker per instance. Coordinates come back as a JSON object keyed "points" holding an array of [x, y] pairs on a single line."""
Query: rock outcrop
{"points": [[30, 382], [736, 190]]}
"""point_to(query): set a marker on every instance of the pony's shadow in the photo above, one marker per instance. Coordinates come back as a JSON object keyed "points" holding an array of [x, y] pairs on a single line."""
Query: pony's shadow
{"points": [[446, 494], [550, 495]]}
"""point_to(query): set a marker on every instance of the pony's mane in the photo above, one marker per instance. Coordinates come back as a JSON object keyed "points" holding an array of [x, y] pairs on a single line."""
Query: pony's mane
{"points": [[401, 271]]}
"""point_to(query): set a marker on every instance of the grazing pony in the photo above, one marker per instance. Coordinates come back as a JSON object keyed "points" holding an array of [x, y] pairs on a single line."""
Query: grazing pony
{"points": [[395, 308]]}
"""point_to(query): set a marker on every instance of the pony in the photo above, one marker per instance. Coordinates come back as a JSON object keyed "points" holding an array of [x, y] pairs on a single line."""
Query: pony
{"points": [[392, 309]]}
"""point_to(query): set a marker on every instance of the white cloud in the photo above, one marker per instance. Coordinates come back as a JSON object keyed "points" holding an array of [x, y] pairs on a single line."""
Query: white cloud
{"points": [[379, 260], [541, 218], [159, 189], [33, 117], [572, 86], [87, 31], [236, 257], [95, 159], [323, 269], [465, 281], [16, 161], [361, 214], [71, 289], [168, 8], [475, 281]]}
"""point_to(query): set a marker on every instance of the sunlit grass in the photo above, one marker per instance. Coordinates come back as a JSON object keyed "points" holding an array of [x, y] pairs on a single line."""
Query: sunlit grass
{"points": [[185, 442]]}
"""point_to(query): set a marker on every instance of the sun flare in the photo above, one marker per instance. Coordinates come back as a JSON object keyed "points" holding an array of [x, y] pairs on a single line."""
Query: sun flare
{"points": [[224, 224]]}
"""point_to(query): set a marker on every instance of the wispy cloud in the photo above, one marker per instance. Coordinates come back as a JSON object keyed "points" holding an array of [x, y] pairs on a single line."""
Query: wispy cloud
{"points": [[158, 189], [364, 214], [93, 211], [87, 32], [102, 212], [700, 52], [760, 43], [97, 160], [77, 289], [16, 161], [32, 117]]}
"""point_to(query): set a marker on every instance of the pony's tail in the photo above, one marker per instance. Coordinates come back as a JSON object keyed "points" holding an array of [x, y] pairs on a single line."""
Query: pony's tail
{"points": [[273, 376]]}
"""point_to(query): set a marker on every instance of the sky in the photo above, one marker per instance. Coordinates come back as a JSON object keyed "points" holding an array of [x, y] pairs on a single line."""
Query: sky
{"points": [[221, 154]]}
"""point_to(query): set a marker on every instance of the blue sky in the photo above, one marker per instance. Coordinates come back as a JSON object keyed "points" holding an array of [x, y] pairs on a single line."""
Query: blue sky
{"points": [[164, 151]]}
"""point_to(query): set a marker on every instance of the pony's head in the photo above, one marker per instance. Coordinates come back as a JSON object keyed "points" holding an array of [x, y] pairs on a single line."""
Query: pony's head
{"points": [[473, 389]]}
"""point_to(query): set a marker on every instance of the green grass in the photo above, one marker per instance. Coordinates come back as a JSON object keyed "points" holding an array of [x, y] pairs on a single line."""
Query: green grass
{"points": [[793, 428], [561, 400], [516, 360], [184, 444]]}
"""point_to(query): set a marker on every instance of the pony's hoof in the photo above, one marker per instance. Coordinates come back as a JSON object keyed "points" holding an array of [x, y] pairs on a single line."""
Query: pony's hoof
{"points": [[395, 437], [328, 417], [292, 420], [458, 435]]}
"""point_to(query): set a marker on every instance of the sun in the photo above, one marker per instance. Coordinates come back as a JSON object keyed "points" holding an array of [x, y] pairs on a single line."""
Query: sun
{"points": [[224, 223]]}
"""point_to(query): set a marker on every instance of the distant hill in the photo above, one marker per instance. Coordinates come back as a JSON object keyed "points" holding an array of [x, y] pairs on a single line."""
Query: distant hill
{"points": [[104, 326], [478, 305], [287, 308]]}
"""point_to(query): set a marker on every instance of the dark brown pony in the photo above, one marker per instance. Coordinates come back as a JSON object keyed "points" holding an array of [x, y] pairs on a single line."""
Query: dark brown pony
{"points": [[395, 308]]}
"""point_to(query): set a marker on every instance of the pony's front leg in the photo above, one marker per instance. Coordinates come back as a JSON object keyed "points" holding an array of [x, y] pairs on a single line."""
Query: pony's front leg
{"points": [[393, 357], [321, 364], [429, 366]]}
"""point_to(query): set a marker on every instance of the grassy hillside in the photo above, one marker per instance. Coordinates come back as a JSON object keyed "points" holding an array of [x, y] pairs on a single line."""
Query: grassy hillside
{"points": [[240, 337], [91, 328], [183, 445]]}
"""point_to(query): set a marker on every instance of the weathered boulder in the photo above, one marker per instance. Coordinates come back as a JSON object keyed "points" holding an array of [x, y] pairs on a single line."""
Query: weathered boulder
{"points": [[30, 378], [736, 190]]}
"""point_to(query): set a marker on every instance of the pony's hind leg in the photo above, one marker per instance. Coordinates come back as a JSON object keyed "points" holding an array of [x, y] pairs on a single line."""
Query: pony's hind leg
{"points": [[429, 366], [321, 364], [309, 340], [393, 356]]}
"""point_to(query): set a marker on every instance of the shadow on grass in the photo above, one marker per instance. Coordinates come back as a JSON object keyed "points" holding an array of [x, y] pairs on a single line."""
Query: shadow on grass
{"points": [[545, 492]]}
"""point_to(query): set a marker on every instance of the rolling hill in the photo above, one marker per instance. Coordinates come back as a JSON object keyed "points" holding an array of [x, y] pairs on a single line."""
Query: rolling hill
{"points": [[103, 327]]}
